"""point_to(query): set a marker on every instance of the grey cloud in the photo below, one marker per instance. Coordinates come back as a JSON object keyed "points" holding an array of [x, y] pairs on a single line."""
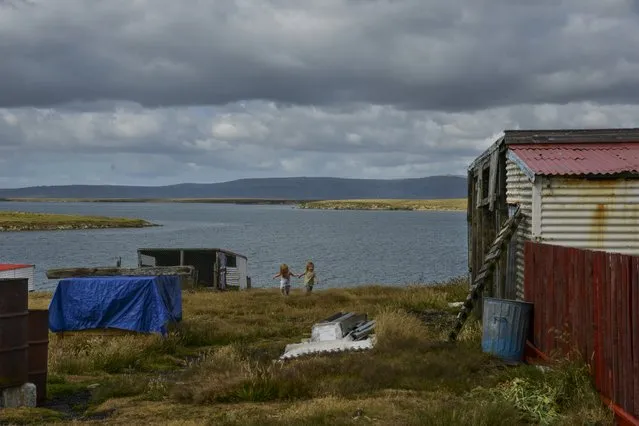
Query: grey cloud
{"points": [[413, 54], [130, 144]]}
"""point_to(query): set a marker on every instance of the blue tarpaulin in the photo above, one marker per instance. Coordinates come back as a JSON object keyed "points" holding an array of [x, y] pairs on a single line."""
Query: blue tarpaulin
{"points": [[142, 304]]}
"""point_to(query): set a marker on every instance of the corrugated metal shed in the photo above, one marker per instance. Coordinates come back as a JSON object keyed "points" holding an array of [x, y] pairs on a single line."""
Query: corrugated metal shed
{"points": [[579, 158], [575, 187]]}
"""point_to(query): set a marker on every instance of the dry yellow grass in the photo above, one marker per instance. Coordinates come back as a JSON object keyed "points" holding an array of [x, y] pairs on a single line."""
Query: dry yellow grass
{"points": [[454, 204], [27, 221], [218, 367]]}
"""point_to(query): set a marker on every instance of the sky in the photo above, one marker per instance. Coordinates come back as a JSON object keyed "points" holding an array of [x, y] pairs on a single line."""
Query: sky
{"points": [[155, 92]]}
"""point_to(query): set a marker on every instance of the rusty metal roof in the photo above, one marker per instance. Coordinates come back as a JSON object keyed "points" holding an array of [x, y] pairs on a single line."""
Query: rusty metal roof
{"points": [[12, 266], [579, 158]]}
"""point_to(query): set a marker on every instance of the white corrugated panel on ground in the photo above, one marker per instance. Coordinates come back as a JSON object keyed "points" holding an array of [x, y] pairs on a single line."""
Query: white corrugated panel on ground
{"points": [[600, 214], [20, 272], [519, 191]]}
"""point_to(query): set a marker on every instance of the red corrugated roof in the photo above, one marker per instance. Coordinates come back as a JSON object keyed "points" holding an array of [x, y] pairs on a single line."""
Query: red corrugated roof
{"points": [[11, 266], [579, 158]]}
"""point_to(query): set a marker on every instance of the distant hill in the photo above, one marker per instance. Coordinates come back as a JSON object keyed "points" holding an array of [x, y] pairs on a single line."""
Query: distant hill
{"points": [[300, 188]]}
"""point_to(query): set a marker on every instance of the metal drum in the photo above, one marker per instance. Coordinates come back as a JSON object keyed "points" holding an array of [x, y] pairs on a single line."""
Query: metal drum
{"points": [[14, 346], [39, 351], [505, 328]]}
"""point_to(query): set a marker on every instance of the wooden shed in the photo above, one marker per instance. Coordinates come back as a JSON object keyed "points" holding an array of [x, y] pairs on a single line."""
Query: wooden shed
{"points": [[214, 267], [576, 188]]}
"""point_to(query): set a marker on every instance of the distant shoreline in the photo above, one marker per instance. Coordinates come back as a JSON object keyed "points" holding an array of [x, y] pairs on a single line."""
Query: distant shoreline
{"points": [[261, 201], [11, 221], [452, 204]]}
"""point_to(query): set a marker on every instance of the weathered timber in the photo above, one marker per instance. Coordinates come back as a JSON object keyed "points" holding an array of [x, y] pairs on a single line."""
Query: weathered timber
{"points": [[485, 273], [54, 274], [493, 255]]}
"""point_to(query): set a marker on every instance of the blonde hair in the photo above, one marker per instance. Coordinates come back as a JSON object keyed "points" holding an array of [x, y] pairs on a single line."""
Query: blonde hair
{"points": [[283, 269]]}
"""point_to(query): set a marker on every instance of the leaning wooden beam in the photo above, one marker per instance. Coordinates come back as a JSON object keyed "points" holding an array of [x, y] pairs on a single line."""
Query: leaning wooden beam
{"points": [[54, 274], [486, 271]]}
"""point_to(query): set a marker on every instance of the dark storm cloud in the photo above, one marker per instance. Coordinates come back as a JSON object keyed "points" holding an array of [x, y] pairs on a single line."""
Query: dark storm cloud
{"points": [[159, 92], [454, 55]]}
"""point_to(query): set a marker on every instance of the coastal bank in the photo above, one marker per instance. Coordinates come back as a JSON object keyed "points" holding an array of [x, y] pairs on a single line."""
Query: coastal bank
{"points": [[12, 221]]}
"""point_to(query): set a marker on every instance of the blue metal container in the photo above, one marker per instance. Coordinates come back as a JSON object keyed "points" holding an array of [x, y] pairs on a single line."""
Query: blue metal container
{"points": [[505, 328]]}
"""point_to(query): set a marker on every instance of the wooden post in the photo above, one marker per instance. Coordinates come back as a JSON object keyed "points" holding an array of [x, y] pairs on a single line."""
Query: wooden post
{"points": [[216, 272], [181, 257], [469, 220]]}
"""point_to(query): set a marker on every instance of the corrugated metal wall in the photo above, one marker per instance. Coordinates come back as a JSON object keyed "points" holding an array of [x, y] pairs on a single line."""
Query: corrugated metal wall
{"points": [[242, 268], [591, 214], [518, 191], [237, 276], [232, 277], [589, 298], [27, 272]]}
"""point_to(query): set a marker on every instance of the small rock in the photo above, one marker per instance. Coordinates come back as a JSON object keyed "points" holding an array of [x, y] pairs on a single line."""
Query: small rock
{"points": [[19, 396]]}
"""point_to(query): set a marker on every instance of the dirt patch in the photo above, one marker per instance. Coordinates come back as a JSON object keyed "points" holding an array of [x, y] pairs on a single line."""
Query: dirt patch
{"points": [[74, 406]]}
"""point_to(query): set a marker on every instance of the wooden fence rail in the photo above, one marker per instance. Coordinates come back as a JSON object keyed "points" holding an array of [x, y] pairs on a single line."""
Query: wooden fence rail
{"points": [[588, 301]]}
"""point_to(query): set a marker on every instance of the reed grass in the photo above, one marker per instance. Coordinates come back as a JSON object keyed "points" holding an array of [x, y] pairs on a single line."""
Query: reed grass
{"points": [[219, 366]]}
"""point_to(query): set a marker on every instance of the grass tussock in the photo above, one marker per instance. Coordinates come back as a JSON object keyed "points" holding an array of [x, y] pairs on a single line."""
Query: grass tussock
{"points": [[453, 204], [27, 221], [34, 416], [219, 366]]}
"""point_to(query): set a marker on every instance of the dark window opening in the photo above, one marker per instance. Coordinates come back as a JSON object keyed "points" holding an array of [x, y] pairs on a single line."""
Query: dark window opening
{"points": [[171, 258], [231, 261]]}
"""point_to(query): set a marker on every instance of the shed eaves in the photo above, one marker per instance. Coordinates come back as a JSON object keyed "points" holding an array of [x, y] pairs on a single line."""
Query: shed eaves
{"points": [[12, 266], [579, 158]]}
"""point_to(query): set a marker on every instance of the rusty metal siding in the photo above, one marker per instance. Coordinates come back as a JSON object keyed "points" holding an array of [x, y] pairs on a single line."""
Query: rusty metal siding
{"points": [[23, 272], [586, 300], [519, 192], [600, 214]]}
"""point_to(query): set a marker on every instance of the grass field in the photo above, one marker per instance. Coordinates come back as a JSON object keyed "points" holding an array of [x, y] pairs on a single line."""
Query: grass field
{"points": [[453, 204], [24, 221], [217, 367]]}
